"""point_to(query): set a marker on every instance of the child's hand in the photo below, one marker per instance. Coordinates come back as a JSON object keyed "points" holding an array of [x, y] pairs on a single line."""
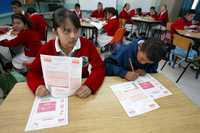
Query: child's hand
{"points": [[131, 76], [141, 72], [41, 91], [83, 92]]}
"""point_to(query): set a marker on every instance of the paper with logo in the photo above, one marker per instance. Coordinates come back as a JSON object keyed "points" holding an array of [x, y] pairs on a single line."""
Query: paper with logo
{"points": [[48, 112], [152, 87], [133, 99], [7, 36], [62, 74]]}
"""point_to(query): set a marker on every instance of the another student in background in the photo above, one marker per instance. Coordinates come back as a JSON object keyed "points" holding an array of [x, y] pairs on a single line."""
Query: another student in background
{"points": [[152, 13], [163, 15], [183, 22], [135, 59], [77, 10], [68, 43], [26, 37], [38, 22], [132, 13], [139, 12], [17, 7], [124, 14], [98, 13], [110, 28]]}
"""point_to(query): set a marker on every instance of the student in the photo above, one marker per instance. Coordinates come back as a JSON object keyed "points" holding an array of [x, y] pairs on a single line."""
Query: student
{"points": [[26, 37], [38, 22], [68, 43], [163, 15], [132, 13], [124, 14], [98, 13], [139, 12], [183, 22], [17, 7], [135, 59], [110, 28], [152, 13], [77, 10]]}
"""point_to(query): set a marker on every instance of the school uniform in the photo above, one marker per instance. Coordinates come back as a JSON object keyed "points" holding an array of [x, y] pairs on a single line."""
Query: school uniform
{"points": [[124, 15], [31, 42], [118, 63], [97, 14], [78, 14], [83, 49], [180, 23], [152, 15], [163, 17], [39, 24], [132, 13], [110, 28]]}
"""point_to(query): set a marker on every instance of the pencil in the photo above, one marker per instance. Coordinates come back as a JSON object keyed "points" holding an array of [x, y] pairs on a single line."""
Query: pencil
{"points": [[131, 64]]}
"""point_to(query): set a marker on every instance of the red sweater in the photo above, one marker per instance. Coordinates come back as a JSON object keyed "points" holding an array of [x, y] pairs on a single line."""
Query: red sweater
{"points": [[39, 24], [163, 17], [179, 24], [132, 13], [112, 26], [125, 15], [152, 15], [95, 79], [98, 14], [28, 38]]}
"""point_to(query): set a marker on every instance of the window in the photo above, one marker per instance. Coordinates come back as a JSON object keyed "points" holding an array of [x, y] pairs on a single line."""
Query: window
{"points": [[194, 5]]}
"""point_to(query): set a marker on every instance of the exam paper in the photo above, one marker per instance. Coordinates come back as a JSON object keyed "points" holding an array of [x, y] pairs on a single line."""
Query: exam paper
{"points": [[152, 87], [62, 74], [48, 112], [7, 36], [99, 24], [133, 99]]}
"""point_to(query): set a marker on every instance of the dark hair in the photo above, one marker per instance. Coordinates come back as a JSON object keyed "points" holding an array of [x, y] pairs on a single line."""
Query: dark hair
{"points": [[23, 19], [77, 5], [152, 8], [16, 3], [191, 11], [139, 11], [154, 49], [111, 10], [31, 10], [61, 14], [99, 3], [125, 5]]}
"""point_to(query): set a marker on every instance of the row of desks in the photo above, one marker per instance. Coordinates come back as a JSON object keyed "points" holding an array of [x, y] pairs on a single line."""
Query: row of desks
{"points": [[102, 113]]}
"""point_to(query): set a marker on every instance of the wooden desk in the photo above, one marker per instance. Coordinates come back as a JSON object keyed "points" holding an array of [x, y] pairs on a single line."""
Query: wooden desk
{"points": [[146, 22], [188, 34], [103, 113]]}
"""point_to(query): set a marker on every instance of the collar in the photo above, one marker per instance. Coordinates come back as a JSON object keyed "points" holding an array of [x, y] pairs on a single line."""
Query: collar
{"points": [[113, 17], [34, 14], [77, 46]]}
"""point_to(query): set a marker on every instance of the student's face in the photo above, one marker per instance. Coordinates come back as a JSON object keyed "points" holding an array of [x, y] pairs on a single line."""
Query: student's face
{"points": [[18, 25], [127, 7], [190, 17], [152, 12], [142, 57], [100, 7], [163, 8], [16, 9], [77, 9], [68, 35]]}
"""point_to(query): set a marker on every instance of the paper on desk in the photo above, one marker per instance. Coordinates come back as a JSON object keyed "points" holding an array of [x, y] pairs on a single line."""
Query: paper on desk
{"points": [[99, 25], [48, 112], [62, 74], [7, 36], [133, 99], [152, 87]]}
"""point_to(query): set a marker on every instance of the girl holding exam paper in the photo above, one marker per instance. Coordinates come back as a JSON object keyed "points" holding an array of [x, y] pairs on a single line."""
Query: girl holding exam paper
{"points": [[68, 43]]}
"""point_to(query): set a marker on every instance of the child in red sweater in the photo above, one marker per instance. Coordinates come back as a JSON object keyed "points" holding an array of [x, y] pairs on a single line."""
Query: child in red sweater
{"points": [[124, 14], [98, 13], [26, 37], [39, 24], [110, 28], [183, 22], [68, 43]]}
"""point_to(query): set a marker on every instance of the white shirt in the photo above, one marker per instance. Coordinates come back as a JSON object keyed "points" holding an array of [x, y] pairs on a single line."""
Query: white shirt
{"points": [[77, 46]]}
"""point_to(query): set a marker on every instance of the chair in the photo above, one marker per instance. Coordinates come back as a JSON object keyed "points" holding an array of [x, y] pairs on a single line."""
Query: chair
{"points": [[117, 39], [196, 62]]}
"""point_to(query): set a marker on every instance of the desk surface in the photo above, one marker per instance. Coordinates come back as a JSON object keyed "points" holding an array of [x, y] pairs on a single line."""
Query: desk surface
{"points": [[87, 24], [102, 113], [145, 19], [186, 33]]}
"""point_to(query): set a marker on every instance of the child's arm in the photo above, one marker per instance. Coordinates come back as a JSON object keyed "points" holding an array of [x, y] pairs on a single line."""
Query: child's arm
{"points": [[97, 74]]}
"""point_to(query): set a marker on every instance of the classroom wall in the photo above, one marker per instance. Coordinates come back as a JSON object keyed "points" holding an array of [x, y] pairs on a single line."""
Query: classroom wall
{"points": [[174, 7]]}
